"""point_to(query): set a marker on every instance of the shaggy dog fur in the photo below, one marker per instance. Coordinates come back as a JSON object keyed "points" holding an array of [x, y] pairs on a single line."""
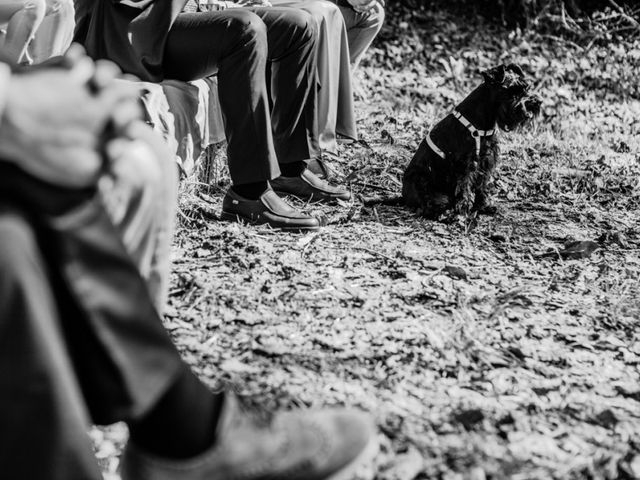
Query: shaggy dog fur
{"points": [[453, 165]]}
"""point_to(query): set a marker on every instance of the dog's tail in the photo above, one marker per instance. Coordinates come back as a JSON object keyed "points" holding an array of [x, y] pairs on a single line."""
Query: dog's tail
{"points": [[390, 201]]}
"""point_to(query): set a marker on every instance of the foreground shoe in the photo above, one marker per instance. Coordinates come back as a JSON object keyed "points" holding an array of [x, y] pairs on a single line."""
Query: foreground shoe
{"points": [[269, 209], [303, 445], [307, 186]]}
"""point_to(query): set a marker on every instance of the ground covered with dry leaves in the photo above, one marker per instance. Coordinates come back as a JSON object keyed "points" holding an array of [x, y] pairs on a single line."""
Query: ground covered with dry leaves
{"points": [[483, 349]]}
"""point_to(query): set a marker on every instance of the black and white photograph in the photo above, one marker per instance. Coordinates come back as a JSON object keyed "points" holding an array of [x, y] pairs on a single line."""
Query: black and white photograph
{"points": [[319, 240]]}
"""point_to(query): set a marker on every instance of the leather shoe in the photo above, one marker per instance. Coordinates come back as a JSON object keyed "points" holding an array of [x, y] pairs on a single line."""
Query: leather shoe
{"points": [[321, 167], [307, 186], [269, 209], [302, 445]]}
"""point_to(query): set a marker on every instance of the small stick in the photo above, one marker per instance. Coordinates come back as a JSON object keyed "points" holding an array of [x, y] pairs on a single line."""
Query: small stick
{"points": [[621, 11]]}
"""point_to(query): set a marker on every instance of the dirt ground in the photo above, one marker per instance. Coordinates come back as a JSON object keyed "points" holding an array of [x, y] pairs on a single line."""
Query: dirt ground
{"points": [[482, 349]]}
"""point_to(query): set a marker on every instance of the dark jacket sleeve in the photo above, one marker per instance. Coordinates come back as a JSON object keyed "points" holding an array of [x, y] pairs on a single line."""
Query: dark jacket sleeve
{"points": [[132, 33]]}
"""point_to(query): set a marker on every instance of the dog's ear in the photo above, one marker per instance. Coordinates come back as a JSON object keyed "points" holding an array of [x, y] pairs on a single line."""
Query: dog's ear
{"points": [[494, 75]]}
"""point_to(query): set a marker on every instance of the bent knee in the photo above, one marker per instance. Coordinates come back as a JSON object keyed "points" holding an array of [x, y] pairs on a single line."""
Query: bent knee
{"points": [[302, 26], [247, 25], [304, 21]]}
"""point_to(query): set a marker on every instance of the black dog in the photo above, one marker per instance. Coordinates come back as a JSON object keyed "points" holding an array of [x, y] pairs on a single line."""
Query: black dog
{"points": [[454, 163]]}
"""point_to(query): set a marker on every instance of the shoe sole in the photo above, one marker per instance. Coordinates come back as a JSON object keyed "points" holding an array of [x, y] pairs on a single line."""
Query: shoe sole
{"points": [[361, 467], [234, 217]]}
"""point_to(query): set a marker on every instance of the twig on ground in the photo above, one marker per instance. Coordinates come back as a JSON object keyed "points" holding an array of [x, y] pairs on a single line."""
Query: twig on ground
{"points": [[375, 187], [624, 14], [374, 253]]}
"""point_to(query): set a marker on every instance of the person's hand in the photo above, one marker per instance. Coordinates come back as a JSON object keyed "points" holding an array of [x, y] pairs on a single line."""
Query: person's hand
{"points": [[216, 5], [143, 169], [254, 3], [54, 6], [54, 119], [364, 6], [134, 168]]}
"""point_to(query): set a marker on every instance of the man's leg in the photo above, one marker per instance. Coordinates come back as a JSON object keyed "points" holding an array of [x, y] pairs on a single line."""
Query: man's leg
{"points": [[109, 344], [362, 28], [42, 412], [233, 45], [335, 97], [114, 328], [292, 36], [110, 336]]}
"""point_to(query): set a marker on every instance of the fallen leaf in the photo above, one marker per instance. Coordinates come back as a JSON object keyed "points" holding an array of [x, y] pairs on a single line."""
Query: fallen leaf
{"points": [[455, 272], [469, 418]]}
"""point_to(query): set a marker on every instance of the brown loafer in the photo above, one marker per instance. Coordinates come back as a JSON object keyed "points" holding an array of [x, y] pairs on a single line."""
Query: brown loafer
{"points": [[307, 186], [302, 445], [269, 209]]}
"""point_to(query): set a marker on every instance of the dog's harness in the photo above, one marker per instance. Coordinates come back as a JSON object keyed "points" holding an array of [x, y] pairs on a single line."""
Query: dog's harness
{"points": [[475, 133], [434, 147]]}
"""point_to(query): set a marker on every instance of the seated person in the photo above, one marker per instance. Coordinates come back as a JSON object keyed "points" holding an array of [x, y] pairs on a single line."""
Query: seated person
{"points": [[335, 112], [80, 339], [338, 46], [35, 29], [268, 136]]}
